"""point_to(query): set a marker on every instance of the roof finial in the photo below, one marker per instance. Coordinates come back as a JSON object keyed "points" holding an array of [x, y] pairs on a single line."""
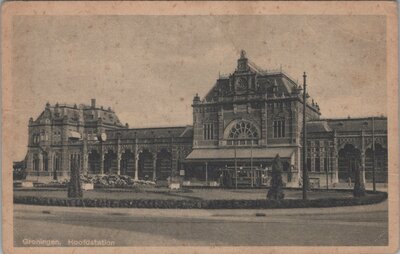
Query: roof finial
{"points": [[242, 54]]}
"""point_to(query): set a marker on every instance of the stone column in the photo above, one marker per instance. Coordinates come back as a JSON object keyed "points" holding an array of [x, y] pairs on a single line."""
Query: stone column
{"points": [[154, 166], [335, 158], [65, 156], [102, 162], [119, 156], [50, 165], [85, 163], [136, 158], [136, 165], [174, 160], [29, 165], [264, 123], [220, 125], [40, 162], [85, 156]]}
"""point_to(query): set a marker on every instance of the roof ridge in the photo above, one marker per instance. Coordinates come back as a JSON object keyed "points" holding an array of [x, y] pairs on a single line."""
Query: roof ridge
{"points": [[352, 118], [161, 127]]}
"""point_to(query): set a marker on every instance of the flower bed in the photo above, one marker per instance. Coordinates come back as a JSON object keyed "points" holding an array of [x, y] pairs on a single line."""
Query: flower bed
{"points": [[110, 181], [99, 181], [371, 198], [51, 185]]}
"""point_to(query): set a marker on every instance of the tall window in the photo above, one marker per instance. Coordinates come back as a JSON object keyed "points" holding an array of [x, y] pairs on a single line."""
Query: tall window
{"points": [[326, 164], [279, 129], [35, 138], [317, 164], [208, 129], [75, 161], [42, 135], [317, 161], [309, 164], [45, 162], [35, 163]]}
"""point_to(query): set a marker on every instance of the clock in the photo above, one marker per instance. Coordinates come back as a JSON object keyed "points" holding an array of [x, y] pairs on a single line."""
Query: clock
{"points": [[103, 136], [241, 84]]}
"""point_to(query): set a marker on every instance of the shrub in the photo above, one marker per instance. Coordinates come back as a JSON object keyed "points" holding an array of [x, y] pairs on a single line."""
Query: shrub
{"points": [[371, 198], [275, 191], [359, 188], [74, 186], [19, 174]]}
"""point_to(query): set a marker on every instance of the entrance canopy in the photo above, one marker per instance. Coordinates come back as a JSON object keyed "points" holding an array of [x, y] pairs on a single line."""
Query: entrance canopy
{"points": [[241, 153]]}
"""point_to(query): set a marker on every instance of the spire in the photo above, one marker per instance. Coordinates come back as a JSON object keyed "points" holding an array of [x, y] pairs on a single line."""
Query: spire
{"points": [[196, 99], [242, 62], [242, 54]]}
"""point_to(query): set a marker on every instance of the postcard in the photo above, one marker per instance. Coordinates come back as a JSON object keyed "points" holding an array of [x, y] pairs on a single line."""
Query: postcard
{"points": [[200, 127]]}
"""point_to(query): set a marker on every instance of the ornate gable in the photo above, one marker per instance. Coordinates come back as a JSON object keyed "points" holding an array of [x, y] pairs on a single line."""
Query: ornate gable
{"points": [[45, 117], [249, 79]]}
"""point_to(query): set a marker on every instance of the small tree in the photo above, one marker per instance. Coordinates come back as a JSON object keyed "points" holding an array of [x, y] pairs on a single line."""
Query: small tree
{"points": [[359, 188], [275, 191], [74, 186]]}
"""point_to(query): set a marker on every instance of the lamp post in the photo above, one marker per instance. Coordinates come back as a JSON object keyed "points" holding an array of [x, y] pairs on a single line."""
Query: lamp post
{"points": [[373, 155], [305, 172]]}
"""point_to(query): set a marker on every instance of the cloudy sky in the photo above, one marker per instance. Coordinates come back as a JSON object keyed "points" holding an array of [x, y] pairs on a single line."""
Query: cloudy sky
{"points": [[148, 68]]}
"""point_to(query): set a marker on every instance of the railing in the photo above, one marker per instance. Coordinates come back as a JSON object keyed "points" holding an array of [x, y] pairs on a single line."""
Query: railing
{"points": [[241, 142]]}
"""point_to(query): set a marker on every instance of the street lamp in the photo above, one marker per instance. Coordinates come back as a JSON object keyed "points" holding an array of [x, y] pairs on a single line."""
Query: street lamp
{"points": [[305, 172], [373, 155]]}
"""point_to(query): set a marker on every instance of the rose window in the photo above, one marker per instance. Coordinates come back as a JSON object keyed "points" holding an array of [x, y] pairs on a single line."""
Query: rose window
{"points": [[245, 132]]}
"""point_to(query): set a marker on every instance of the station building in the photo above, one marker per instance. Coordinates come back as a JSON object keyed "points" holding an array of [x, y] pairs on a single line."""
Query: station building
{"points": [[245, 120]]}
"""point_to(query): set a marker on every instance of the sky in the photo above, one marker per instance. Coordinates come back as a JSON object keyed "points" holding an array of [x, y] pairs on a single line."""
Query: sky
{"points": [[148, 68]]}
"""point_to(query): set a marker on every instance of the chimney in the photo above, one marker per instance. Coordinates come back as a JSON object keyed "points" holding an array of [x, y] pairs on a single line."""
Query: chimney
{"points": [[93, 104]]}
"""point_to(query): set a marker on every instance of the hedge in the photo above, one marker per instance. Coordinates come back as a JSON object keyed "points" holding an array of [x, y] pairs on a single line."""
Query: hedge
{"points": [[203, 204]]}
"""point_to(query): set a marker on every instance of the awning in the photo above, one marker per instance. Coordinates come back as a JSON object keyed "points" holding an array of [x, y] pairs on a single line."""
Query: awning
{"points": [[74, 135], [241, 153]]}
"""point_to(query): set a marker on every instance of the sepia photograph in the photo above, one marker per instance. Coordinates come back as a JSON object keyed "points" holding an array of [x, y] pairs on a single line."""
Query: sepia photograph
{"points": [[214, 127]]}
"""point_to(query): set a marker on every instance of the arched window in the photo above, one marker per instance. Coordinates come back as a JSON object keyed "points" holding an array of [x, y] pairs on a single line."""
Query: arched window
{"points": [[42, 135], [244, 132]]}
